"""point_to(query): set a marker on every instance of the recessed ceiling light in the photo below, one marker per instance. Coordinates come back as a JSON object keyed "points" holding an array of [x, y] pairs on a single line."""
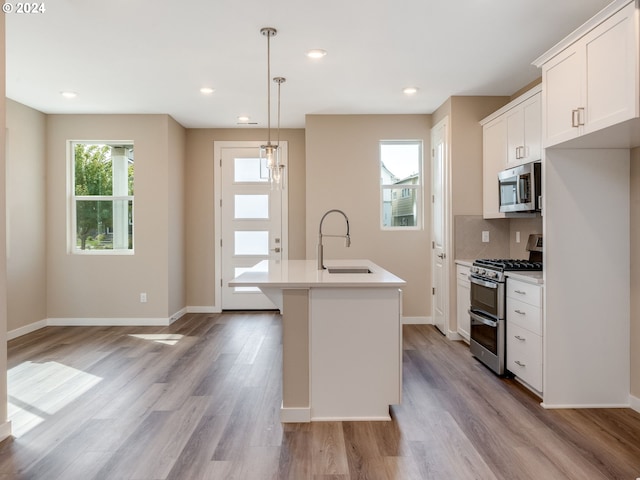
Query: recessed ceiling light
{"points": [[69, 94], [410, 90], [316, 53], [207, 90]]}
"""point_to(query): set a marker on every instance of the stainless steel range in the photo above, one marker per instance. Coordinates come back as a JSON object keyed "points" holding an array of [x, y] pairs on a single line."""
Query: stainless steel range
{"points": [[488, 304]]}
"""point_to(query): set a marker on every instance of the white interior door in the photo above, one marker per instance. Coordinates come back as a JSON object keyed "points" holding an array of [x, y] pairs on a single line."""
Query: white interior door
{"points": [[439, 262], [251, 215]]}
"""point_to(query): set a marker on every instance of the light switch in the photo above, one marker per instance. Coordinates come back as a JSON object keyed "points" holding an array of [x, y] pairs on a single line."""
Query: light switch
{"points": [[485, 236]]}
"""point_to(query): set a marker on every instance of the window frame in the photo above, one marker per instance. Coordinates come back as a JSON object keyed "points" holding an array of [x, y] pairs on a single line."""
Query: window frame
{"points": [[418, 187], [72, 237]]}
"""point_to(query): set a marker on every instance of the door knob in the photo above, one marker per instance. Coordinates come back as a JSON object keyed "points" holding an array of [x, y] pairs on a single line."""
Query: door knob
{"points": [[277, 249], [441, 256]]}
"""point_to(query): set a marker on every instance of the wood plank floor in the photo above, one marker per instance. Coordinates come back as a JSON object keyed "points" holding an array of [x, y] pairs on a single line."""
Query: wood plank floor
{"points": [[200, 400]]}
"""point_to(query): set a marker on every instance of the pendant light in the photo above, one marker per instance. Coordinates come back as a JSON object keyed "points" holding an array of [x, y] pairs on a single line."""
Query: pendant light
{"points": [[271, 152]]}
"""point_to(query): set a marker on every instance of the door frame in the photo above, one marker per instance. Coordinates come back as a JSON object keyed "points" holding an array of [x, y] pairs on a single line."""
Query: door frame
{"points": [[448, 221], [218, 146]]}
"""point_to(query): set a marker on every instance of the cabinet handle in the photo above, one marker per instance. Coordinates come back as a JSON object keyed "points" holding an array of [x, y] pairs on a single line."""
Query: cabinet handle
{"points": [[520, 292], [518, 362], [575, 118], [521, 152], [520, 312], [581, 116], [520, 338]]}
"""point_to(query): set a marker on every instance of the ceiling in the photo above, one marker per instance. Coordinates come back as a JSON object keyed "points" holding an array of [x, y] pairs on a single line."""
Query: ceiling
{"points": [[144, 56]]}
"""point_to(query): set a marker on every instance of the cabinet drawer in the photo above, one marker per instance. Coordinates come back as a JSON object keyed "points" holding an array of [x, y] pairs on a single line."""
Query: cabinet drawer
{"points": [[524, 315], [525, 292], [463, 272], [524, 355]]}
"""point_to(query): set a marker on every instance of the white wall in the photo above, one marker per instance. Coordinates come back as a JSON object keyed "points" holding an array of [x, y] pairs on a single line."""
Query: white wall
{"points": [[587, 278], [5, 426], [634, 336]]}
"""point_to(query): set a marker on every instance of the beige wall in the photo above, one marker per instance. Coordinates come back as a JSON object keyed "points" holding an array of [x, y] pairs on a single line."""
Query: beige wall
{"points": [[466, 151], [108, 286], [465, 137], [177, 282], [635, 273], [4, 425], [343, 171], [26, 221], [200, 212]]}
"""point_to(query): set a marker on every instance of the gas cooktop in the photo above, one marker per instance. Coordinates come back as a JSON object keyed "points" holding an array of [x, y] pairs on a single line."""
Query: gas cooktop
{"points": [[504, 265]]}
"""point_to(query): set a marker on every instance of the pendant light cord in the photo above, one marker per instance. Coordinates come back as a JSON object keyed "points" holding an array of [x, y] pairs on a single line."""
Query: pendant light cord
{"points": [[268, 89]]}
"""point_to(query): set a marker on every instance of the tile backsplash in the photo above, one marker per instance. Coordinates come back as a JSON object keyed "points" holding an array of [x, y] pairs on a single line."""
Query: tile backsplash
{"points": [[468, 233]]}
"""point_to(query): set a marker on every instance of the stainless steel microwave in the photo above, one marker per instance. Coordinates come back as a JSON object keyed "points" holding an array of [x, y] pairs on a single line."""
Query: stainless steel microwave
{"points": [[520, 188]]}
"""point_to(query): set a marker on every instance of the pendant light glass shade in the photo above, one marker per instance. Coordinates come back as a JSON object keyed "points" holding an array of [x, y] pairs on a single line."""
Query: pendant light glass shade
{"points": [[271, 154]]}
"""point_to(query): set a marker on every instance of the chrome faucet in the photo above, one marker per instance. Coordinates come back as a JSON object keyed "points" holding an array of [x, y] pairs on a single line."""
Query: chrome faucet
{"points": [[347, 238]]}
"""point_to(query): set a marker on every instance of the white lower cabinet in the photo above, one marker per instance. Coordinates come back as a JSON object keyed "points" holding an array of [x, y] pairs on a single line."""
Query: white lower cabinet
{"points": [[524, 332], [463, 301]]}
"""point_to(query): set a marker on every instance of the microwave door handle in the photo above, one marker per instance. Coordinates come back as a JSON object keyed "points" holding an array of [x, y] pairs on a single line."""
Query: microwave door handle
{"points": [[486, 321], [518, 195]]}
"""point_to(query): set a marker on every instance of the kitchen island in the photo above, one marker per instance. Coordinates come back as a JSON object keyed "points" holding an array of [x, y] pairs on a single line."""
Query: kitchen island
{"points": [[341, 337]]}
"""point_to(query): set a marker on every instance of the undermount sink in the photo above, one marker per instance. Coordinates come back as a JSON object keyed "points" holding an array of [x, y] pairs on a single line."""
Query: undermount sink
{"points": [[342, 269]]}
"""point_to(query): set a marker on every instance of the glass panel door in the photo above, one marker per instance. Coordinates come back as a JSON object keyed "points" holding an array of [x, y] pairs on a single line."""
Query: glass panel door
{"points": [[251, 214]]}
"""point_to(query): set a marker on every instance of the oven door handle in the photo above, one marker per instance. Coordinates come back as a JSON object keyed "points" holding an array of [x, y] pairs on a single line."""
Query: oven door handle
{"points": [[484, 283], [486, 321]]}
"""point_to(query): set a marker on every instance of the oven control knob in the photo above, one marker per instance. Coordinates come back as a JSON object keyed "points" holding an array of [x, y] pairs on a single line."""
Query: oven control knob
{"points": [[482, 271], [491, 274], [474, 270]]}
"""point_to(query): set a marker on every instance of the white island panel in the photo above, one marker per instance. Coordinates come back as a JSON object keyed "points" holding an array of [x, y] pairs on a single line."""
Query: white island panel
{"points": [[356, 364], [341, 338]]}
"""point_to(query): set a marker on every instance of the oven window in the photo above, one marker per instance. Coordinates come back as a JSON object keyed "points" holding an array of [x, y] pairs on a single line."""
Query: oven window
{"points": [[485, 335], [484, 299]]}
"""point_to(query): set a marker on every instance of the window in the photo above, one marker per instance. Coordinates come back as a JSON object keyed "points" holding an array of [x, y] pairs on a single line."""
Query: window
{"points": [[401, 184], [101, 197]]}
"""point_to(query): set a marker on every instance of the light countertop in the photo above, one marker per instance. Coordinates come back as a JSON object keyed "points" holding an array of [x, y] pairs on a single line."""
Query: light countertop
{"points": [[529, 277], [464, 262], [305, 274]]}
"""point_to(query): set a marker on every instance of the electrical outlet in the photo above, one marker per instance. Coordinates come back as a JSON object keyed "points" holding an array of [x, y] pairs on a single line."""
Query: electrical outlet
{"points": [[485, 236], [517, 237], [143, 297]]}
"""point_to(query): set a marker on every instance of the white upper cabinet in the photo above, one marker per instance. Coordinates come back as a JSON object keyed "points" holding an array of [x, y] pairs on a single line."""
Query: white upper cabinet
{"points": [[592, 83], [511, 136], [494, 160], [524, 132]]}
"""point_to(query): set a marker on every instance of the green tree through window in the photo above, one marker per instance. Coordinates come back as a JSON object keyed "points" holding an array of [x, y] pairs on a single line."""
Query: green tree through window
{"points": [[103, 191]]}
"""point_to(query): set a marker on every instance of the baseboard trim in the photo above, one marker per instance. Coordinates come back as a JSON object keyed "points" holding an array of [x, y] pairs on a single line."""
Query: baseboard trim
{"points": [[417, 321], [634, 403], [196, 309], [5, 430], [32, 327], [178, 315], [586, 405], [295, 415], [110, 322], [100, 322]]}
